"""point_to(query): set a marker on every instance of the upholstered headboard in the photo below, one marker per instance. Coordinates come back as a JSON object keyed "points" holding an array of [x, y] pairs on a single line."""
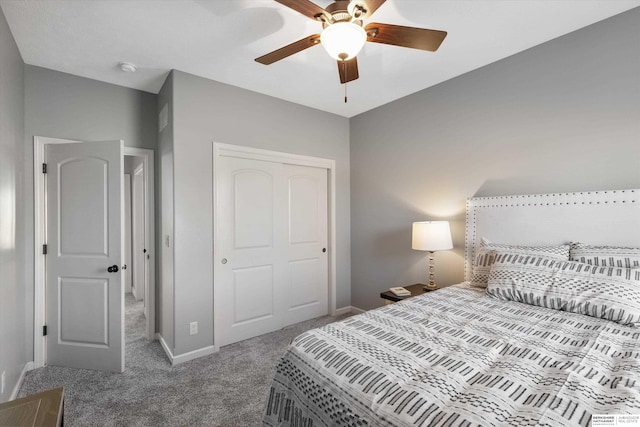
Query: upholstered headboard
{"points": [[595, 217]]}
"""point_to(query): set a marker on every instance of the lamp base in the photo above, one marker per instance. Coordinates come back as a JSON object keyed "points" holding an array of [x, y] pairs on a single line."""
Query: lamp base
{"points": [[430, 287]]}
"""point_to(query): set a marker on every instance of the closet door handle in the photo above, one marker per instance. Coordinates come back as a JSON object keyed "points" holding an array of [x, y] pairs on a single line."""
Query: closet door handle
{"points": [[224, 260], [113, 269], [324, 250]]}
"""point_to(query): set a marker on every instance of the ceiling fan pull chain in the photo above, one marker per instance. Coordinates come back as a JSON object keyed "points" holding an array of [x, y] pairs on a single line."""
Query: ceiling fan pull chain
{"points": [[344, 67]]}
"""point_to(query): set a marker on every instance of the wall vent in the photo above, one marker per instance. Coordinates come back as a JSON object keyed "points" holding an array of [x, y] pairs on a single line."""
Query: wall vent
{"points": [[163, 118]]}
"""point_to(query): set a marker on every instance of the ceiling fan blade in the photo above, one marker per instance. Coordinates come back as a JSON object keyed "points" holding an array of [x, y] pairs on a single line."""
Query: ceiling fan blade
{"points": [[348, 70], [305, 7], [372, 6], [397, 35], [289, 50]]}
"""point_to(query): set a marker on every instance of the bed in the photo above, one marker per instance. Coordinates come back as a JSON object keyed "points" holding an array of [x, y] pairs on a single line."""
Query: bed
{"points": [[544, 331]]}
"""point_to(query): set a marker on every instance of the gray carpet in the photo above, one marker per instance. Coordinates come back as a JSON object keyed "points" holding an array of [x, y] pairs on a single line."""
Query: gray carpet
{"points": [[224, 389]]}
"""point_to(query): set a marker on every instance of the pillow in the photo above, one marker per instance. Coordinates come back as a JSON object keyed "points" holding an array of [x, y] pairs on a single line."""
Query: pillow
{"points": [[486, 254], [605, 256], [611, 293]]}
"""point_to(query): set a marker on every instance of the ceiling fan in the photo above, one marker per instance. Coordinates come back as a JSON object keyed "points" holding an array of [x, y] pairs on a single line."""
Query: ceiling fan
{"points": [[343, 33]]}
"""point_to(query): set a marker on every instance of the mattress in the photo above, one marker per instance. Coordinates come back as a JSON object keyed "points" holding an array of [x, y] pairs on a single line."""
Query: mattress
{"points": [[457, 357]]}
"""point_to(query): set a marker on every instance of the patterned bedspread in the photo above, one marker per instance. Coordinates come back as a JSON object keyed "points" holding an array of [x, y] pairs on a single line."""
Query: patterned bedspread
{"points": [[457, 357]]}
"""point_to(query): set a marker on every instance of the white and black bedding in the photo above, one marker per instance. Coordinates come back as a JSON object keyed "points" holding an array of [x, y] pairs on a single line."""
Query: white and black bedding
{"points": [[545, 332], [458, 357]]}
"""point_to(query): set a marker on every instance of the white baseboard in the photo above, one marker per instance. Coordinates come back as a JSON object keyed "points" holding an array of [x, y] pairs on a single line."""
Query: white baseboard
{"points": [[347, 309], [341, 311], [165, 347], [27, 367], [181, 358], [356, 310], [193, 355]]}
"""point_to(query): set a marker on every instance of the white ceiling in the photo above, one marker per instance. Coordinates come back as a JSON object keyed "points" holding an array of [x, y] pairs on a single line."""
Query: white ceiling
{"points": [[218, 39]]}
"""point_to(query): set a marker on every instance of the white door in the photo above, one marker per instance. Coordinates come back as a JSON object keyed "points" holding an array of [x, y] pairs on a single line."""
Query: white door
{"points": [[252, 242], [307, 272], [84, 294], [270, 267], [138, 232]]}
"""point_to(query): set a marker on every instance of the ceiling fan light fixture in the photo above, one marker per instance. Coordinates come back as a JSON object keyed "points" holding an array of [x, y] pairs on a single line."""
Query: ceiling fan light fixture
{"points": [[343, 40]]}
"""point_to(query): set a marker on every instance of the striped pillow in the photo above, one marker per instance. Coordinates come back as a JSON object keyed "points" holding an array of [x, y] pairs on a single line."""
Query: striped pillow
{"points": [[605, 256], [486, 255], [611, 293]]}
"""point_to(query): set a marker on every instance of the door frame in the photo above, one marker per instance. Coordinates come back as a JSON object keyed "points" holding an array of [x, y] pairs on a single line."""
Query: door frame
{"points": [[150, 234], [127, 231], [220, 149], [39, 205], [137, 259]]}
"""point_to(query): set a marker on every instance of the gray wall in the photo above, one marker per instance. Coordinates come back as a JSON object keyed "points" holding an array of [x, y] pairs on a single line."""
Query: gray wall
{"points": [[205, 111], [60, 105], [14, 331], [563, 116], [165, 221]]}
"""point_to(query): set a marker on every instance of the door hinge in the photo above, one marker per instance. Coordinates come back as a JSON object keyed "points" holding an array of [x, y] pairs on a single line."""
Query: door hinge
{"points": [[44, 168], [44, 331], [44, 249]]}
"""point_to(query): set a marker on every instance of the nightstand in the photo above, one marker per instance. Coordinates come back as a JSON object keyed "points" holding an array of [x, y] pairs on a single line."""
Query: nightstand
{"points": [[417, 289]]}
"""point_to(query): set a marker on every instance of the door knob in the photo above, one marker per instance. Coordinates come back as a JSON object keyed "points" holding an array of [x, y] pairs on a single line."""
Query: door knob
{"points": [[224, 260], [324, 250], [113, 269]]}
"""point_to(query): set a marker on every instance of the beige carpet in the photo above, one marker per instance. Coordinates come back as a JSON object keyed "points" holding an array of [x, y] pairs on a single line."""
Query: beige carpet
{"points": [[224, 389]]}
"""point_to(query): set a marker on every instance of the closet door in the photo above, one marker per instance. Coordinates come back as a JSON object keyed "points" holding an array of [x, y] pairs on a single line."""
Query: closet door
{"points": [[251, 236], [271, 262], [306, 247]]}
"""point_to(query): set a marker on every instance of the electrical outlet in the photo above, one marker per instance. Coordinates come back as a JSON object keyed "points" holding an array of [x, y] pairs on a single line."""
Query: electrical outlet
{"points": [[193, 328], [2, 386]]}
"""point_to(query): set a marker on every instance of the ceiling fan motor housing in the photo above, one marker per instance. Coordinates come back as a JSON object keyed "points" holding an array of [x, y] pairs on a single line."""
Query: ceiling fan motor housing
{"points": [[342, 11]]}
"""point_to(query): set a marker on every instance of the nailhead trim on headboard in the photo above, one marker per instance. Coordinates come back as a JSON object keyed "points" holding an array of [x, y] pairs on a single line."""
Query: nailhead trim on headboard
{"points": [[581, 198]]}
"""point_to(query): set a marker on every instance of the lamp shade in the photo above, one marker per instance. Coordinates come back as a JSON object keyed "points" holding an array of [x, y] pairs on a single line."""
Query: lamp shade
{"points": [[343, 40], [431, 236]]}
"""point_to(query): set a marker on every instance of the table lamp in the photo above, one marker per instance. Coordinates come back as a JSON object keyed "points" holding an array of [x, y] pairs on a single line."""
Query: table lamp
{"points": [[431, 236]]}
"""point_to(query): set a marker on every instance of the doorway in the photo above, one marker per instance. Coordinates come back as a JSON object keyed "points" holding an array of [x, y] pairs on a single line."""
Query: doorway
{"points": [[144, 157], [135, 242]]}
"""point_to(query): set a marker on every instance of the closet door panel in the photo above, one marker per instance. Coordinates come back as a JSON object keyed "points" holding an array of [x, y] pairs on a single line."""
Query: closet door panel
{"points": [[249, 262], [306, 246]]}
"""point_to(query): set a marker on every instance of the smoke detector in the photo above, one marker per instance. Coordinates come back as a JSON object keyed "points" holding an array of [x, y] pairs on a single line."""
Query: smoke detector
{"points": [[127, 67]]}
